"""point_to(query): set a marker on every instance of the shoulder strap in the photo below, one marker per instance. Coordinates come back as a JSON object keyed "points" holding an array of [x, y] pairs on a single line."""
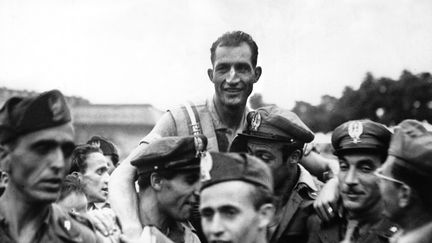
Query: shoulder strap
{"points": [[191, 119]]}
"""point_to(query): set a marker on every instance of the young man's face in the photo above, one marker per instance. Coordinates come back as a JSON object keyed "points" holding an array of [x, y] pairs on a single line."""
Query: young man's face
{"points": [[96, 177], [358, 185], [39, 162], [233, 74], [271, 154], [227, 213], [178, 194]]}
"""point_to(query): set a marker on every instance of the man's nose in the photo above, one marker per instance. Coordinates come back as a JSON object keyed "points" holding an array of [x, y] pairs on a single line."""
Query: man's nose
{"points": [[58, 160], [351, 177], [215, 227], [232, 76]]}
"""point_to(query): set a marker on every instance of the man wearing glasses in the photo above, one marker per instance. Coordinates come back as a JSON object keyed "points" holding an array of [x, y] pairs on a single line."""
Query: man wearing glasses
{"points": [[405, 180], [361, 147]]}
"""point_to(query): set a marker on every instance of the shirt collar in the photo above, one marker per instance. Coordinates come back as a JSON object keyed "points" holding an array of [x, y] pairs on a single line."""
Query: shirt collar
{"points": [[305, 179], [218, 122]]}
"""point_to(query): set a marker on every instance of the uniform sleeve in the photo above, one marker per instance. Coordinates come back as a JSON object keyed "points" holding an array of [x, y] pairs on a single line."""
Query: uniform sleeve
{"points": [[164, 127]]}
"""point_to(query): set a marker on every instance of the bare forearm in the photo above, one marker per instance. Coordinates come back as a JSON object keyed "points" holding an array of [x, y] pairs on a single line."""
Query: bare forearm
{"points": [[123, 196]]}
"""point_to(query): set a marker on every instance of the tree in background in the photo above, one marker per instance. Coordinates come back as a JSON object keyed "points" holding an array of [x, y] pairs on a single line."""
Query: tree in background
{"points": [[383, 100]]}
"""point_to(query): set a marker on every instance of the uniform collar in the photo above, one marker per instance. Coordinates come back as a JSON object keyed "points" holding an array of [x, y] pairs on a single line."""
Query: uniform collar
{"points": [[305, 179]]}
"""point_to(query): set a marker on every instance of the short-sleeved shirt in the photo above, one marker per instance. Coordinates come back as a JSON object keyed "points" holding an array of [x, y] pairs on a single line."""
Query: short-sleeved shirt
{"points": [[166, 126], [58, 226]]}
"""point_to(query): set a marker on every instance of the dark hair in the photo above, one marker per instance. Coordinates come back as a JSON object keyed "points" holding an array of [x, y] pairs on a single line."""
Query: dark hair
{"points": [[260, 195], [419, 182], [72, 183], [235, 38], [79, 157]]}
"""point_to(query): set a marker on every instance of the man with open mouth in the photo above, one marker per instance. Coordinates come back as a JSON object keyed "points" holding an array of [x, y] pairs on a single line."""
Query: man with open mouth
{"points": [[36, 138], [361, 147]]}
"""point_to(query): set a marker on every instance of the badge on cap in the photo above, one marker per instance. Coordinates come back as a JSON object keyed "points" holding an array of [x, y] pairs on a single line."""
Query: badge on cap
{"points": [[255, 122], [95, 143], [206, 166], [355, 130], [56, 108], [199, 146]]}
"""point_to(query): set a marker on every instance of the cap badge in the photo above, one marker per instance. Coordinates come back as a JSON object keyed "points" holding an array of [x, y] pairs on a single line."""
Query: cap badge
{"points": [[95, 143], [199, 146], [255, 122], [355, 130], [206, 166], [56, 108]]}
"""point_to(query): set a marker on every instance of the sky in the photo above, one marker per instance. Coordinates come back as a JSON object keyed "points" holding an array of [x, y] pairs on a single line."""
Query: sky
{"points": [[157, 52]]}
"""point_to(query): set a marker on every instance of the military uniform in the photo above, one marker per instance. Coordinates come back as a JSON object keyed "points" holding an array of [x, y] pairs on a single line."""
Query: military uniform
{"points": [[58, 226], [272, 124], [379, 231], [174, 154], [33, 115], [290, 223], [360, 136]]}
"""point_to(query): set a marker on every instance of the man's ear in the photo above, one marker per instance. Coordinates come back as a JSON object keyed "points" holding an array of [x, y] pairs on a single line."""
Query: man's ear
{"points": [[405, 194], [156, 181], [258, 72], [210, 74], [266, 214], [294, 157]]}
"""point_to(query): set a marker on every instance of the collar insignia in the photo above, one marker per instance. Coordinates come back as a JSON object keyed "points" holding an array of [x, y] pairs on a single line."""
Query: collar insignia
{"points": [[355, 130], [255, 122]]}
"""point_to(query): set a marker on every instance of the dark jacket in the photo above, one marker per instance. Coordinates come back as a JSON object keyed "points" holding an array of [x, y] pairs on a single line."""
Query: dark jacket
{"points": [[333, 232], [58, 227], [292, 224]]}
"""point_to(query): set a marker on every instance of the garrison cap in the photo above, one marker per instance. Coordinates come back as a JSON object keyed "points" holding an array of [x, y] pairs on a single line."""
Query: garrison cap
{"points": [[23, 115], [274, 124], [223, 167], [107, 147], [171, 153], [412, 145], [361, 134]]}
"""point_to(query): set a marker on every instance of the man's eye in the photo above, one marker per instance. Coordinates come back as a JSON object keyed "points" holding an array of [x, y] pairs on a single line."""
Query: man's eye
{"points": [[44, 148], [191, 179], [366, 169], [266, 158], [243, 68], [343, 166], [206, 214], [231, 212], [222, 68], [67, 149]]}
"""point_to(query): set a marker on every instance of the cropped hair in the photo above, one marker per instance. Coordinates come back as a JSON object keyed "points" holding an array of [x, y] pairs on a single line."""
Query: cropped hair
{"points": [[234, 39], [72, 183], [80, 155]]}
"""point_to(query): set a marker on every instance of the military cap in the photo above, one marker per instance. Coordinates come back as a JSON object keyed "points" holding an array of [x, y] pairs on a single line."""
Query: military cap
{"points": [[171, 153], [107, 147], [23, 115], [274, 124], [360, 134], [222, 167], [412, 145]]}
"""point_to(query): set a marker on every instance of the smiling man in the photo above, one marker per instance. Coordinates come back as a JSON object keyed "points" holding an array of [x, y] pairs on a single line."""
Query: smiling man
{"points": [[169, 180], [361, 147], [233, 73], [36, 137]]}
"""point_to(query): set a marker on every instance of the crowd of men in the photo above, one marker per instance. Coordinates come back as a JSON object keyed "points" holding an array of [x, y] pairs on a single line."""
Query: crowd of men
{"points": [[212, 171]]}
